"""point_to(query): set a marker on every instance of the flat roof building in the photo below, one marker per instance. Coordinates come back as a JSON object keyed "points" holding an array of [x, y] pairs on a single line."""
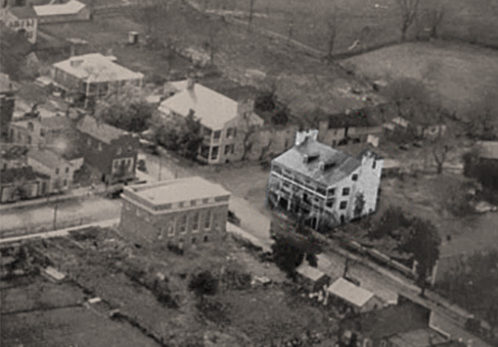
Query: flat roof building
{"points": [[180, 212]]}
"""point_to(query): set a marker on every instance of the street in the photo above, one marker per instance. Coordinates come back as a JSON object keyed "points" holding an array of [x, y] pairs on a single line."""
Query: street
{"points": [[380, 281]]}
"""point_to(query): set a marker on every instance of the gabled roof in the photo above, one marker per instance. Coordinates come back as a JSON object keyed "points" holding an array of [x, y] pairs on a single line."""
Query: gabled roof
{"points": [[213, 109], [23, 12], [309, 272], [46, 157], [488, 149], [95, 67], [51, 123], [294, 159], [22, 173], [350, 292], [99, 130], [70, 7]]}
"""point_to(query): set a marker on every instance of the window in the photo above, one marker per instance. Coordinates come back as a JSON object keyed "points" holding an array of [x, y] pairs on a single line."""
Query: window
{"points": [[207, 132], [182, 224], [67, 170], [234, 132], [374, 164], [89, 142], [330, 203], [207, 220], [193, 240], [216, 222], [343, 205], [355, 177], [30, 126], [217, 135], [171, 228], [195, 222], [57, 171], [100, 147], [214, 152], [64, 183], [227, 149], [331, 191], [229, 133], [345, 191], [42, 132]]}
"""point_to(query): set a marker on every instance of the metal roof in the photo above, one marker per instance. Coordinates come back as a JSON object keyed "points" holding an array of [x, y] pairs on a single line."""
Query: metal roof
{"points": [[350, 292], [70, 7]]}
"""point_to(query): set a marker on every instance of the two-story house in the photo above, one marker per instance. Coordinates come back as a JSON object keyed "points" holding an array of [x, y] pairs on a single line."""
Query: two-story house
{"points": [[22, 19], [323, 185], [109, 151], [40, 130], [356, 126], [226, 123], [55, 166], [7, 103], [86, 78]]}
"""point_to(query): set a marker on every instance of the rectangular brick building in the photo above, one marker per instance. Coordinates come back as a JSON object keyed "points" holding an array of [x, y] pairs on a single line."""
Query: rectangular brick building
{"points": [[181, 212]]}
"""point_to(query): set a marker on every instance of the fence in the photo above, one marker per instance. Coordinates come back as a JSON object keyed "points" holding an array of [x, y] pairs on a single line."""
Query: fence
{"points": [[40, 228]]}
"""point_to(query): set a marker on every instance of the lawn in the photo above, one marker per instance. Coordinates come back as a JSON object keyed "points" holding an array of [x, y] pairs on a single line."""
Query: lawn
{"points": [[373, 22], [460, 75]]}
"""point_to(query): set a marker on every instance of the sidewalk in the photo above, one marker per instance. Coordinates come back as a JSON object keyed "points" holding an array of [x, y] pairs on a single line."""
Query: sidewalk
{"points": [[72, 194], [60, 232]]}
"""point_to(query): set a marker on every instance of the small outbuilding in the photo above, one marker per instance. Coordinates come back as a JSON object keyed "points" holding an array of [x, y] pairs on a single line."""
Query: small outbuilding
{"points": [[311, 278], [352, 296]]}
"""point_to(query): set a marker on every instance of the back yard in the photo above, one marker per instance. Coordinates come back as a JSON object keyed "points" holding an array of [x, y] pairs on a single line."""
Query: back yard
{"points": [[149, 289]]}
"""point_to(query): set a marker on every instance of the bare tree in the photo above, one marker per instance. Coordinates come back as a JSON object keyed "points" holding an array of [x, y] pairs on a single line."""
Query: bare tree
{"points": [[442, 145], [409, 10], [251, 14], [435, 18], [332, 33]]}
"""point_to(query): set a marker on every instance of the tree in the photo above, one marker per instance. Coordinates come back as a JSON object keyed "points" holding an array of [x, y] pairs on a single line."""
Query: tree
{"points": [[408, 10], [393, 219], [149, 13], [442, 145], [332, 33], [423, 243], [286, 255], [125, 109], [435, 18], [482, 122], [203, 283], [248, 129]]}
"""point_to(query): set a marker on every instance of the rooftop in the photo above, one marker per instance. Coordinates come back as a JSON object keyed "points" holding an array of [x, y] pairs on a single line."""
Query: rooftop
{"points": [[294, 159], [350, 292], [213, 109], [70, 7], [95, 67], [5, 83], [418, 338], [46, 157], [309, 272], [51, 122], [23, 173], [23, 12], [391, 320], [178, 190], [488, 149], [14, 152], [99, 130]]}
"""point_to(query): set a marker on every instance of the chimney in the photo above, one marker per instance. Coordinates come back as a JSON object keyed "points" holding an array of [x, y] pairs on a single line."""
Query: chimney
{"points": [[76, 62], [190, 84], [303, 136], [245, 107]]}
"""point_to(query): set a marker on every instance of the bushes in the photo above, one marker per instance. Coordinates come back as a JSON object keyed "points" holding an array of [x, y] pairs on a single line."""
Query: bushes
{"points": [[203, 283]]}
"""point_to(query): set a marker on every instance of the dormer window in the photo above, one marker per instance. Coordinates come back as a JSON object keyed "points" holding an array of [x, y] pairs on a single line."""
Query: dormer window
{"points": [[355, 177]]}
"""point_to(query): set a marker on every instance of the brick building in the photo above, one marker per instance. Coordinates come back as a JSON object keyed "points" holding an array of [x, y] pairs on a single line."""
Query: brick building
{"points": [[181, 212], [225, 122], [22, 19], [86, 78], [109, 151], [323, 185]]}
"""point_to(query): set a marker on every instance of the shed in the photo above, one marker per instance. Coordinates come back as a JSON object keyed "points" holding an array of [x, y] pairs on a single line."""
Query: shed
{"points": [[359, 299], [312, 278]]}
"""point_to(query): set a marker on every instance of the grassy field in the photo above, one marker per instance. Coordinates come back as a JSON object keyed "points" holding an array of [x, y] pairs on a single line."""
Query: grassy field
{"points": [[461, 75], [373, 22]]}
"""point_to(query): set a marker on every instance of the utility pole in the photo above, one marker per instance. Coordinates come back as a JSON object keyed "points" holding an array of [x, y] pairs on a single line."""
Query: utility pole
{"points": [[55, 216]]}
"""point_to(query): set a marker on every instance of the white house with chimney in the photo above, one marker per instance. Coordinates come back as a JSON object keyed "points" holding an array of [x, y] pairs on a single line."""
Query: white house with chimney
{"points": [[322, 185], [226, 123]]}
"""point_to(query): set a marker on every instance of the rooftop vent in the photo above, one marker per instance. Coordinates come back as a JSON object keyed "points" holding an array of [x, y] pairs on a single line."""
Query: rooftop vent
{"points": [[326, 165], [76, 62]]}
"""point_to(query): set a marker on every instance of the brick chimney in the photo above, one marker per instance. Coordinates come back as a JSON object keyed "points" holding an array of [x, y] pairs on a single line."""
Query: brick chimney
{"points": [[303, 136], [190, 84]]}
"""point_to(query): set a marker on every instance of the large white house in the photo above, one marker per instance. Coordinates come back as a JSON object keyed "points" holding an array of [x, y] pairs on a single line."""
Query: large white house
{"points": [[323, 185], [225, 122]]}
